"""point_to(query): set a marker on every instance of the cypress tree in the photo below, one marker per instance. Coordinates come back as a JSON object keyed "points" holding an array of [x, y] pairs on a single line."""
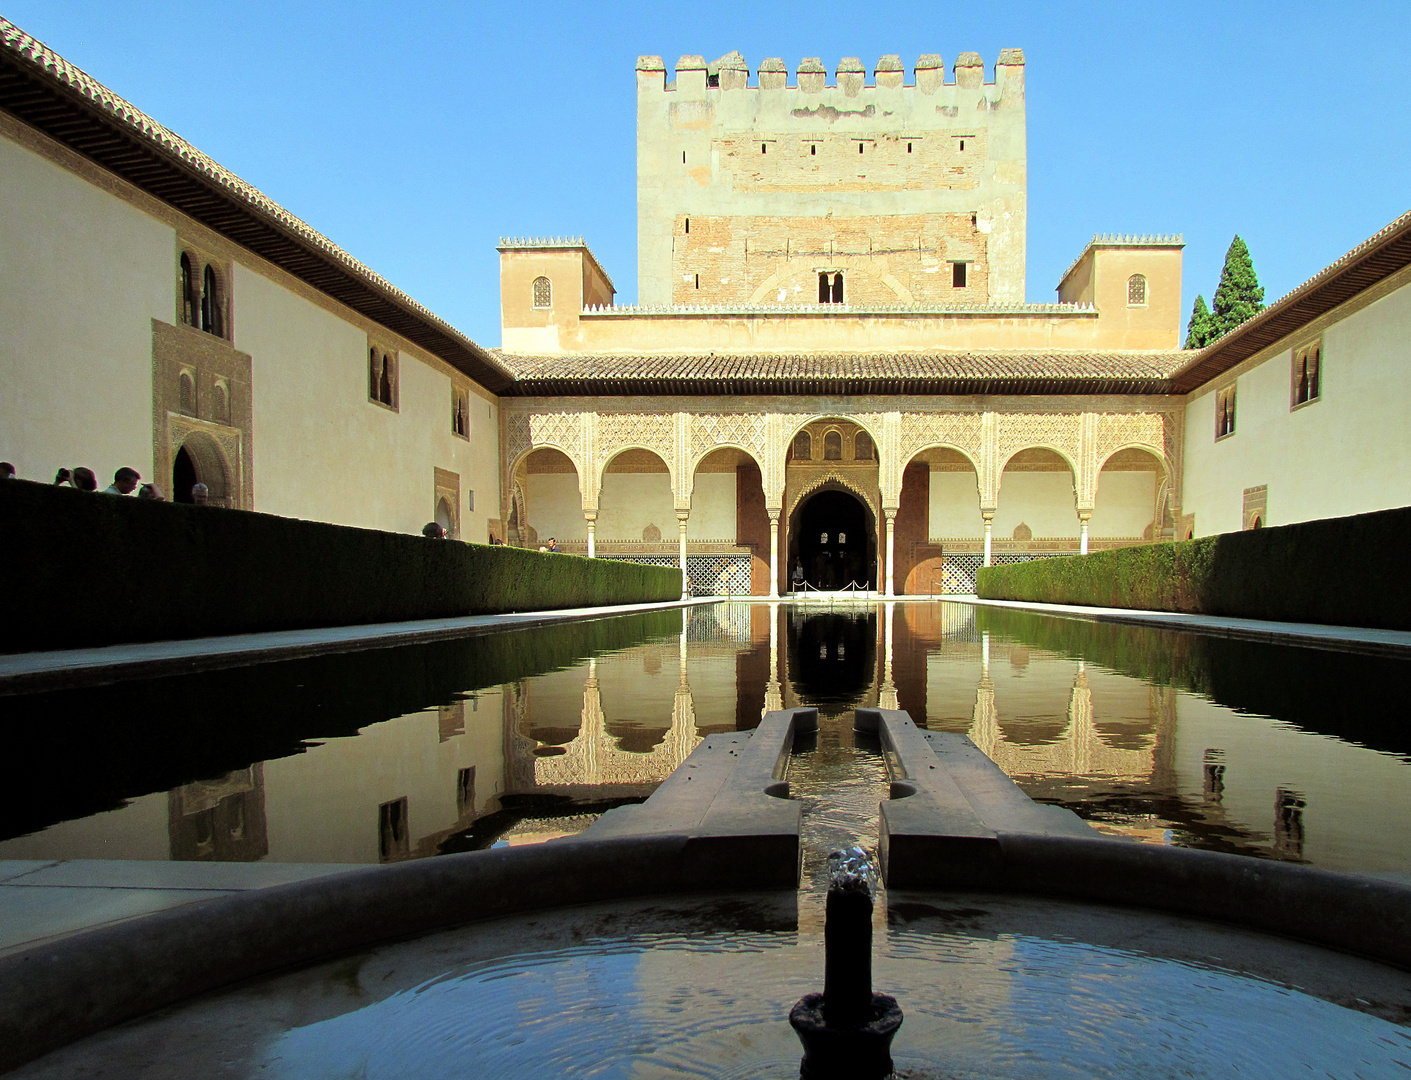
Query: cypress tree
{"points": [[1240, 296], [1199, 331]]}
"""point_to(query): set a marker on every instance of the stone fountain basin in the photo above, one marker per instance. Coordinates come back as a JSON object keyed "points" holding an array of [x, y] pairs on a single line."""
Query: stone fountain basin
{"points": [[994, 985]]}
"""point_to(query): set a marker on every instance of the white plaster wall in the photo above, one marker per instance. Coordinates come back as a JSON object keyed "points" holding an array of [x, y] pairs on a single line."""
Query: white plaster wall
{"points": [[713, 514], [323, 451], [554, 506], [1348, 453], [629, 502], [1125, 505], [82, 274], [1042, 500], [955, 505]]}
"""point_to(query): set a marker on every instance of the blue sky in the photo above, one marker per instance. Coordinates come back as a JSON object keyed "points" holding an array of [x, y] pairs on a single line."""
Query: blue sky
{"points": [[416, 135]]}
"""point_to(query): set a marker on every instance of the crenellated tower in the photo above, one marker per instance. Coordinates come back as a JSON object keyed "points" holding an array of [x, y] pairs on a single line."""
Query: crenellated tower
{"points": [[851, 191]]}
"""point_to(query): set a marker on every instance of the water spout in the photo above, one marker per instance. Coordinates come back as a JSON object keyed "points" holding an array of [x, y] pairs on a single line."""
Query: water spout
{"points": [[847, 1030]]}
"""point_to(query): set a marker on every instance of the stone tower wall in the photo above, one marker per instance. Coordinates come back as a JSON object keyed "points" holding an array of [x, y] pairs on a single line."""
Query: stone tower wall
{"points": [[746, 194]]}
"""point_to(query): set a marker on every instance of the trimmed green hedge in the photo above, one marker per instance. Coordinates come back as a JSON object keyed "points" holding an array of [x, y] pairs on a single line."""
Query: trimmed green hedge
{"points": [[1349, 571], [87, 569]]}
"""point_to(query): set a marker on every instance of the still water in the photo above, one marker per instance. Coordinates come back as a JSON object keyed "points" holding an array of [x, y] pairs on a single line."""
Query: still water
{"points": [[1262, 750]]}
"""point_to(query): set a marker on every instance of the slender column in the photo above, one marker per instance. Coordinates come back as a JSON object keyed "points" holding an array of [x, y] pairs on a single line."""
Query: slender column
{"points": [[1084, 516], [772, 697], [774, 554], [591, 517], [681, 516], [989, 516], [891, 516]]}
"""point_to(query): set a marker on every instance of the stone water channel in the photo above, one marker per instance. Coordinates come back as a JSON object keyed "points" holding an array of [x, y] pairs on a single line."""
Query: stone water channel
{"points": [[1163, 738]]}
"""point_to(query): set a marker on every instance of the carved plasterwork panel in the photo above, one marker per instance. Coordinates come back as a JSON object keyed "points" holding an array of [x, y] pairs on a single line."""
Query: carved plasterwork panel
{"points": [[649, 431], [1019, 431], [843, 480], [744, 430], [529, 431]]}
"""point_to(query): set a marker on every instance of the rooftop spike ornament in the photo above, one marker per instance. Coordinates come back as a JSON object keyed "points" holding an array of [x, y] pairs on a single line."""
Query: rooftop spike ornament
{"points": [[847, 1030]]}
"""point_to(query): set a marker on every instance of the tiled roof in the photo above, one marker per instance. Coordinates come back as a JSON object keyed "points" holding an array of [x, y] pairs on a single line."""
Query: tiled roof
{"points": [[964, 372], [47, 92], [1371, 261]]}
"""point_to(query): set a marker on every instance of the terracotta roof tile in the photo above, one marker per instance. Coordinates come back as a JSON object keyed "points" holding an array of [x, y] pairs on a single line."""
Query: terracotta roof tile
{"points": [[966, 372]]}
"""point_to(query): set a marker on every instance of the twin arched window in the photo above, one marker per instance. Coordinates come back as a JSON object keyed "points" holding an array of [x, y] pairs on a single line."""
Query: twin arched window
{"points": [[1136, 290], [201, 307], [543, 292], [382, 376]]}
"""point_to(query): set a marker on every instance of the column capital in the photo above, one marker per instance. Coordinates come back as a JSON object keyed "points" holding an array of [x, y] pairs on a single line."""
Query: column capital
{"points": [[988, 513], [890, 512], [590, 515], [1085, 515], [681, 516]]}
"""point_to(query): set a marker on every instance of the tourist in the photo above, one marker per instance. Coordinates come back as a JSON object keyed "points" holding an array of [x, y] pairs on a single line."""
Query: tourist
{"points": [[553, 545], [151, 492], [7, 471], [124, 482], [798, 574], [84, 480], [62, 477], [433, 531], [200, 493]]}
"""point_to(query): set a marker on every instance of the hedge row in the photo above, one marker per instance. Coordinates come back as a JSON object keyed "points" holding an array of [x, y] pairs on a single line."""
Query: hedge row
{"points": [[1349, 571], [89, 569]]}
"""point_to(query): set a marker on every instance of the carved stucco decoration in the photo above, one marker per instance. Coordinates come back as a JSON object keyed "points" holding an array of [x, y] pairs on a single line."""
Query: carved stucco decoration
{"points": [[656, 432], [843, 480], [227, 439]]}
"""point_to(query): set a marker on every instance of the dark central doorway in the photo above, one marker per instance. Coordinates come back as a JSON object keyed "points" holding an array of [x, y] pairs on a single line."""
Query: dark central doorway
{"points": [[834, 540]]}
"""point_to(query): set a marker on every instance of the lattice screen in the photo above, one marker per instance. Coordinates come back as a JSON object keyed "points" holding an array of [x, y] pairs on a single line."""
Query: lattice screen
{"points": [[711, 575], [958, 571]]}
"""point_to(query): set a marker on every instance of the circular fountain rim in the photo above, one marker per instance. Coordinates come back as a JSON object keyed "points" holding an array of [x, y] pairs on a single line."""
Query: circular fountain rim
{"points": [[57, 993]]}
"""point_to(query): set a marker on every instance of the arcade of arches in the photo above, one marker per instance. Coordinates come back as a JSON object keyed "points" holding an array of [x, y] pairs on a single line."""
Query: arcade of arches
{"points": [[911, 501]]}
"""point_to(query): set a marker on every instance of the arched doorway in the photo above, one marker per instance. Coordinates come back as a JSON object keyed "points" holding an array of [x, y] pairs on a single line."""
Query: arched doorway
{"points": [[200, 461], [833, 535], [445, 517]]}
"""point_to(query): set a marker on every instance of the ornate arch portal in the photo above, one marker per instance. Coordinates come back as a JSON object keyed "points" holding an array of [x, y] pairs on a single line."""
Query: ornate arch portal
{"points": [[833, 539]]}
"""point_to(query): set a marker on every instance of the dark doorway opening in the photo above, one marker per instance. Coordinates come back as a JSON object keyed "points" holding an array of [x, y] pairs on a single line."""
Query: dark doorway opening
{"points": [[834, 539], [183, 476]]}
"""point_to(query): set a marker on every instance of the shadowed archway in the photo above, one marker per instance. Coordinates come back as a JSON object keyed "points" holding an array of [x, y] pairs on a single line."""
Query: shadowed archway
{"points": [[833, 536]]}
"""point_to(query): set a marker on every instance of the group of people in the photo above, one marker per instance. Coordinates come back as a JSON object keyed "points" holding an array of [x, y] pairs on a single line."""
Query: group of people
{"points": [[126, 481]]}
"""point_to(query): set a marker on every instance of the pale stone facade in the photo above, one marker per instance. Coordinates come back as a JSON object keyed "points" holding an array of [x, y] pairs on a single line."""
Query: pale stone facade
{"points": [[893, 437]]}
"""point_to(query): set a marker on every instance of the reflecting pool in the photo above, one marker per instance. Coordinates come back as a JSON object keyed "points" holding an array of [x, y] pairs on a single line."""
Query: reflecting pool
{"points": [[1171, 738]]}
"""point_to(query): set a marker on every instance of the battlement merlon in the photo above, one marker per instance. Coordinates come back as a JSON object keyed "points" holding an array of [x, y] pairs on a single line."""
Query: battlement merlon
{"points": [[695, 77]]}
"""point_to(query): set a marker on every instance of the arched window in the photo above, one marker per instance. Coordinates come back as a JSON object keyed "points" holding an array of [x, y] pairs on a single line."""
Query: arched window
{"points": [[188, 291], [862, 447], [374, 375], [830, 288], [188, 395], [384, 387], [1136, 290], [803, 447], [460, 413], [543, 292], [222, 403], [833, 446], [211, 320]]}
